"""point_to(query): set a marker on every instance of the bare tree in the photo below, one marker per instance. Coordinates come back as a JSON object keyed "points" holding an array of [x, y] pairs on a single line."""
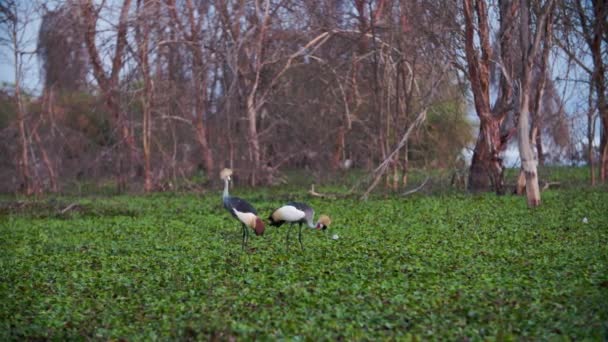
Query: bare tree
{"points": [[486, 166], [146, 12], [15, 16], [109, 82], [584, 30], [191, 35]]}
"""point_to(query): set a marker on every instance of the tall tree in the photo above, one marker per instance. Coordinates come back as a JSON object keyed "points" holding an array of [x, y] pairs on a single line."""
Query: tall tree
{"points": [[584, 29], [15, 16], [594, 25], [486, 166], [191, 34], [146, 12], [109, 81], [530, 49]]}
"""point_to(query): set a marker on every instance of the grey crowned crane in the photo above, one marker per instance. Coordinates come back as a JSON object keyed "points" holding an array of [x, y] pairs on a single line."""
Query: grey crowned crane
{"points": [[241, 210], [296, 212]]}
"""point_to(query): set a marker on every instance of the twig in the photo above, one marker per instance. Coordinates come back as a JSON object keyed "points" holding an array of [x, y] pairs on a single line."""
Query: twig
{"points": [[68, 208], [409, 192], [312, 192], [379, 171], [548, 184]]}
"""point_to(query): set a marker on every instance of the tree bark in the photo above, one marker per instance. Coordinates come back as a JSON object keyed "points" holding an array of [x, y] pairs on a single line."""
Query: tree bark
{"points": [[487, 171]]}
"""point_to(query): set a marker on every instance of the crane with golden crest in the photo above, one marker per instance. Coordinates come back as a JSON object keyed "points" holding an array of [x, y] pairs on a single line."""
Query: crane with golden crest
{"points": [[241, 210], [300, 213]]}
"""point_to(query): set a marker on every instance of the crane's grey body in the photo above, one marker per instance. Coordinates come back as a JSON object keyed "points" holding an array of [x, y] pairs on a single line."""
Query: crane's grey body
{"points": [[242, 211]]}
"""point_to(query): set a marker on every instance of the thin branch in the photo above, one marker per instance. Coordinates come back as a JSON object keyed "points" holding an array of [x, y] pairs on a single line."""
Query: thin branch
{"points": [[409, 192]]}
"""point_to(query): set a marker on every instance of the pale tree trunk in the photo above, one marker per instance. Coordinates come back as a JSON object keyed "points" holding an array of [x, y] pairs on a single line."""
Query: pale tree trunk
{"points": [[537, 107], [26, 177], [528, 162], [148, 91], [253, 103], [590, 139], [405, 165], [529, 51], [252, 133]]}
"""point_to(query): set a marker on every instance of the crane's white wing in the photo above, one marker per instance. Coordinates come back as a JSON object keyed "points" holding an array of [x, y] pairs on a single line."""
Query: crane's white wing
{"points": [[289, 213]]}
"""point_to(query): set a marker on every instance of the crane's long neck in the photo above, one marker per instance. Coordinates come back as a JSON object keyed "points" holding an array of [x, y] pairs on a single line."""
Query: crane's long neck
{"points": [[309, 223], [226, 194]]}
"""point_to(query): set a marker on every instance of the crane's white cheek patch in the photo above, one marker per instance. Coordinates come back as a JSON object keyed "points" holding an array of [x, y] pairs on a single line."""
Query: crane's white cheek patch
{"points": [[290, 213], [247, 218]]}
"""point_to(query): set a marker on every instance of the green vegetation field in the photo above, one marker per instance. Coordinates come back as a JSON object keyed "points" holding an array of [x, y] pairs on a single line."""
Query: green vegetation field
{"points": [[170, 266]]}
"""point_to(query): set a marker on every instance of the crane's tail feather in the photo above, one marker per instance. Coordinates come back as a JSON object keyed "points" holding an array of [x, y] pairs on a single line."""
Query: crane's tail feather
{"points": [[275, 223]]}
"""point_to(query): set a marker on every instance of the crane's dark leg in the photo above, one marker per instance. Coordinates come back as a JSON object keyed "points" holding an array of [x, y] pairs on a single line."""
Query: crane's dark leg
{"points": [[287, 236], [300, 236], [244, 232]]}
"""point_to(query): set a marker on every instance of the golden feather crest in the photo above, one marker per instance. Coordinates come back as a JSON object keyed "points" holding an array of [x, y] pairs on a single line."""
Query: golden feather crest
{"points": [[325, 220], [225, 173]]}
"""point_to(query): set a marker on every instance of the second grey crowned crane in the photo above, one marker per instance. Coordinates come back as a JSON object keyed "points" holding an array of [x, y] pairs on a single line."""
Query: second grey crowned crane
{"points": [[241, 210], [296, 212]]}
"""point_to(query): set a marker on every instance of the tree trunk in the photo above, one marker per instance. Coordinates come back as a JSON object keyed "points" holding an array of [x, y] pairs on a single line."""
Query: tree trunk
{"points": [[604, 146], [528, 162], [520, 187], [146, 98], [252, 132], [590, 139], [600, 10], [486, 166], [405, 164], [529, 51], [339, 149], [539, 148], [47, 162], [487, 171], [26, 178], [200, 86]]}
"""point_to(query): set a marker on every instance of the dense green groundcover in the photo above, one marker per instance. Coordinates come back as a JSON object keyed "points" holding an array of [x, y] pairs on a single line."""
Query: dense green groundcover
{"points": [[443, 266]]}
